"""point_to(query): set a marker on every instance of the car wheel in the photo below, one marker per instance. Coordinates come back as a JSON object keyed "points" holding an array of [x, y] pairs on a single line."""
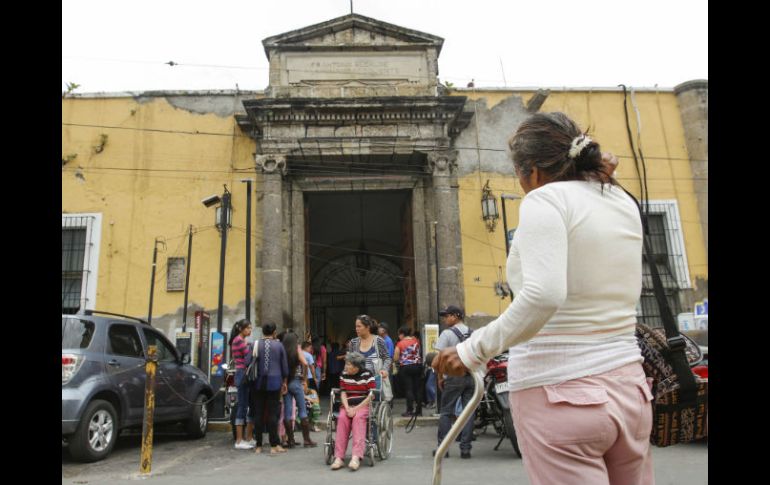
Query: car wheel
{"points": [[96, 433], [198, 423]]}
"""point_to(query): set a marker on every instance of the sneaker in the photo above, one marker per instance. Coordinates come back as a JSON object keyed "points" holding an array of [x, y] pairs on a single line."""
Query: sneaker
{"points": [[243, 445], [465, 454], [253, 443], [354, 463], [337, 464]]}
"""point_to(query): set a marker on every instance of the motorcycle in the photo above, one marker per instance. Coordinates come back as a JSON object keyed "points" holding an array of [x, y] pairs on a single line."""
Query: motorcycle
{"points": [[494, 408]]}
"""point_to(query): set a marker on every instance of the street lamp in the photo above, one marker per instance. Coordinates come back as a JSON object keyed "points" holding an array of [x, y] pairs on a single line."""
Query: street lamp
{"points": [[489, 208]]}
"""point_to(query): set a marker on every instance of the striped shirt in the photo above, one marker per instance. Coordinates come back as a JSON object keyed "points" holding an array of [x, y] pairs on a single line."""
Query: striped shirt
{"points": [[378, 350], [241, 352], [357, 386]]}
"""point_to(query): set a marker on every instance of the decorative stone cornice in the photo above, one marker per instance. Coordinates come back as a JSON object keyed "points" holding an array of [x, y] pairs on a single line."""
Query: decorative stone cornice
{"points": [[448, 110], [442, 162], [690, 85], [271, 164]]}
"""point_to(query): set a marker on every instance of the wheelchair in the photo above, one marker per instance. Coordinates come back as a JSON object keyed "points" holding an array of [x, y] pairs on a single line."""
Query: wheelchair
{"points": [[379, 428]]}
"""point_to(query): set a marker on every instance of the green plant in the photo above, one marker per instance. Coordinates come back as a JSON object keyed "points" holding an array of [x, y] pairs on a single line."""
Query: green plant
{"points": [[70, 88]]}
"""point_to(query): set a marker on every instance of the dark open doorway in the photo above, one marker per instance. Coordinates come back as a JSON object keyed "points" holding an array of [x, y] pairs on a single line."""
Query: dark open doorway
{"points": [[360, 260]]}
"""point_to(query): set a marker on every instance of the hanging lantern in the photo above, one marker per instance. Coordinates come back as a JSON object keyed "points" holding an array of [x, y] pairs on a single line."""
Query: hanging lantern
{"points": [[489, 208]]}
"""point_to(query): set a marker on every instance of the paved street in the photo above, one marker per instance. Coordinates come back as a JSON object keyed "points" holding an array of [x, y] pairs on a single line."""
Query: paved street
{"points": [[210, 460]]}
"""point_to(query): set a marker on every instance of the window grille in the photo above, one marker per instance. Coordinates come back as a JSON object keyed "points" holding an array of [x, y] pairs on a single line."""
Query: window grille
{"points": [[77, 232], [668, 255]]}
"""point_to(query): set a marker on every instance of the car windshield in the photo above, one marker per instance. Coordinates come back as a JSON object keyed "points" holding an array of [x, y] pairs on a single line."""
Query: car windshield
{"points": [[75, 333]]}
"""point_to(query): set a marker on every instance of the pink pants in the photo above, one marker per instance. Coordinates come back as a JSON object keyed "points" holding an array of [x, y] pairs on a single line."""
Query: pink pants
{"points": [[593, 430], [344, 423]]}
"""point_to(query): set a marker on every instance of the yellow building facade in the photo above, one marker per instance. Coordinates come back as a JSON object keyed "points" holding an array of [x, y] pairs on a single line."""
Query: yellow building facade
{"points": [[136, 166]]}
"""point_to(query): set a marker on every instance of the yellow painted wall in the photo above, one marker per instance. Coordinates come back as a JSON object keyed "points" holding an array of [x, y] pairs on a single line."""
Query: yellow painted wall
{"points": [[148, 182], [668, 175], [160, 161]]}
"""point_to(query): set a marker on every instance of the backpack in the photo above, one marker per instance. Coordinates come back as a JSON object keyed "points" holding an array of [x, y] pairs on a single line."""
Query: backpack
{"points": [[460, 334]]}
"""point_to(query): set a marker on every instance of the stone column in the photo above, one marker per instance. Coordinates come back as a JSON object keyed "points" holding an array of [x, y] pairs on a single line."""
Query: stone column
{"points": [[693, 98], [273, 168], [443, 164]]}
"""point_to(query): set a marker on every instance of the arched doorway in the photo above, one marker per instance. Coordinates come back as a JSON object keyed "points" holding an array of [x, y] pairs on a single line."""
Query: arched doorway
{"points": [[360, 260]]}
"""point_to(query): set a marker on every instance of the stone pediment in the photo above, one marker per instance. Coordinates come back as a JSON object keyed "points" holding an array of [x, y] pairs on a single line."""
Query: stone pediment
{"points": [[351, 32]]}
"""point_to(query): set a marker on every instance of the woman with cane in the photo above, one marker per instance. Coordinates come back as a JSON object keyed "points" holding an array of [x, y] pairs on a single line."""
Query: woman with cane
{"points": [[579, 397]]}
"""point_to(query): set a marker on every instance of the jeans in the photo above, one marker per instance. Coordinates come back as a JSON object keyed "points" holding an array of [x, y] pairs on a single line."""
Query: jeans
{"points": [[430, 387], [454, 388], [296, 392], [242, 407]]}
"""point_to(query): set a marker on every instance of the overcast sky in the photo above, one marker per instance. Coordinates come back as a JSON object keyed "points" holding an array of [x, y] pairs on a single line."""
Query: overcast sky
{"points": [[110, 46]]}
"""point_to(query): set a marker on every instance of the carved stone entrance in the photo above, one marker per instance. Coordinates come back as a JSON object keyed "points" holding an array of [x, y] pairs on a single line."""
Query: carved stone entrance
{"points": [[357, 132]]}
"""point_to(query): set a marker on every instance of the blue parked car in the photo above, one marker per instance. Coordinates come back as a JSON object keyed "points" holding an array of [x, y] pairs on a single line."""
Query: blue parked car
{"points": [[103, 382]]}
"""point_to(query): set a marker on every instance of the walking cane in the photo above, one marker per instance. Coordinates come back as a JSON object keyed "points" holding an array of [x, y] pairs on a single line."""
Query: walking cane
{"points": [[468, 411]]}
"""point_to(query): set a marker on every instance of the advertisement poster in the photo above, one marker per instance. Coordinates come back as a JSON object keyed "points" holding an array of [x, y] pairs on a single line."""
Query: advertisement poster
{"points": [[217, 354], [430, 337]]}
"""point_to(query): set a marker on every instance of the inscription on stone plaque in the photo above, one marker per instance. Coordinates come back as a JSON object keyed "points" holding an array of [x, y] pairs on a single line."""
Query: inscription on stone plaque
{"points": [[320, 67]]}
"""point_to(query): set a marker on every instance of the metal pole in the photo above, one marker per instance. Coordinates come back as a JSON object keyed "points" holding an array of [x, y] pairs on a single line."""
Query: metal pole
{"points": [[152, 278], [505, 227], [223, 226], [248, 250], [438, 305], [145, 465], [187, 281]]}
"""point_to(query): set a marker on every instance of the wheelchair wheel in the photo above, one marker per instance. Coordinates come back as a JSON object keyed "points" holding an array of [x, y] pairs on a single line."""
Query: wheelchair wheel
{"points": [[371, 454], [331, 430], [385, 435]]}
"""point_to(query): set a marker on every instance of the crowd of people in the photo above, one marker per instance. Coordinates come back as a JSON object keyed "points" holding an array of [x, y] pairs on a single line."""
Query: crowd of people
{"points": [[292, 373]]}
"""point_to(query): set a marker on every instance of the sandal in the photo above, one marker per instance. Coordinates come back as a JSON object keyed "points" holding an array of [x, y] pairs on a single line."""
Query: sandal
{"points": [[257, 450], [337, 464], [277, 450], [354, 463]]}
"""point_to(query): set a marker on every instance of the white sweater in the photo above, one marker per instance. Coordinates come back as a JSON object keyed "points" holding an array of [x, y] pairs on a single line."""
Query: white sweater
{"points": [[575, 267]]}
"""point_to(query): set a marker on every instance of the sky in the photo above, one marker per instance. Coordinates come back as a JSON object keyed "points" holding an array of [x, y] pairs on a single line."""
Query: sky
{"points": [[111, 46]]}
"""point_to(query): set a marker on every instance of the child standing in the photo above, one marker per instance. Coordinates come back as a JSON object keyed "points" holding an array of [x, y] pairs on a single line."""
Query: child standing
{"points": [[313, 404]]}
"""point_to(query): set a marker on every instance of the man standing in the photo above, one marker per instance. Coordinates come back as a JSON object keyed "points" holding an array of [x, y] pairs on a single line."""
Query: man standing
{"points": [[454, 388]]}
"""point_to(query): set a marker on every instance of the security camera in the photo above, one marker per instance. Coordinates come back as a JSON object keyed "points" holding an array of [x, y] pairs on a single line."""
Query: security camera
{"points": [[211, 200]]}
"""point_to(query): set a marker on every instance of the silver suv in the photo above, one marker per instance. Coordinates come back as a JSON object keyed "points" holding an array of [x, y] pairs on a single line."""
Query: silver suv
{"points": [[103, 382]]}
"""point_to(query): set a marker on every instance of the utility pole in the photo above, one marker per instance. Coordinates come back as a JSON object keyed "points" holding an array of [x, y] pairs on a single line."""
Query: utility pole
{"points": [[224, 223], [248, 248], [503, 197], [152, 279], [187, 280]]}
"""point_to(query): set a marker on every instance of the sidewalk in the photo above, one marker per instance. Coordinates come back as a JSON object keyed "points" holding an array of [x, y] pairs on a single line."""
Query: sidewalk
{"points": [[399, 407]]}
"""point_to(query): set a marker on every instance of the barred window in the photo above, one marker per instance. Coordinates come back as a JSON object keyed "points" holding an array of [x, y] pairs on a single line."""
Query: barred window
{"points": [[667, 247], [80, 253]]}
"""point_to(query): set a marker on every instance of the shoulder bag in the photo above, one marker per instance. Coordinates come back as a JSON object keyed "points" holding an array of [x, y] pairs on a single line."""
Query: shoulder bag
{"points": [[252, 370], [680, 397]]}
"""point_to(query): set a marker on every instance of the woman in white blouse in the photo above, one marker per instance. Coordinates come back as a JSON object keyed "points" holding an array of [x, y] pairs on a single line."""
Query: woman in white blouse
{"points": [[579, 397]]}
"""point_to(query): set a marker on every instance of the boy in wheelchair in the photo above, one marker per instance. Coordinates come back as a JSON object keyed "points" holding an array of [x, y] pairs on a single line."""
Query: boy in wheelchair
{"points": [[356, 392]]}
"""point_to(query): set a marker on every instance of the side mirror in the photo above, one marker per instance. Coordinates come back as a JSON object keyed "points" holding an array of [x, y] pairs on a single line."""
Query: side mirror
{"points": [[185, 358]]}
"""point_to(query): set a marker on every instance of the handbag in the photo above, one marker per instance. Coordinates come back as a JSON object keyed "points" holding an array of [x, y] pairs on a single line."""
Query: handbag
{"points": [[252, 370], [680, 397]]}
